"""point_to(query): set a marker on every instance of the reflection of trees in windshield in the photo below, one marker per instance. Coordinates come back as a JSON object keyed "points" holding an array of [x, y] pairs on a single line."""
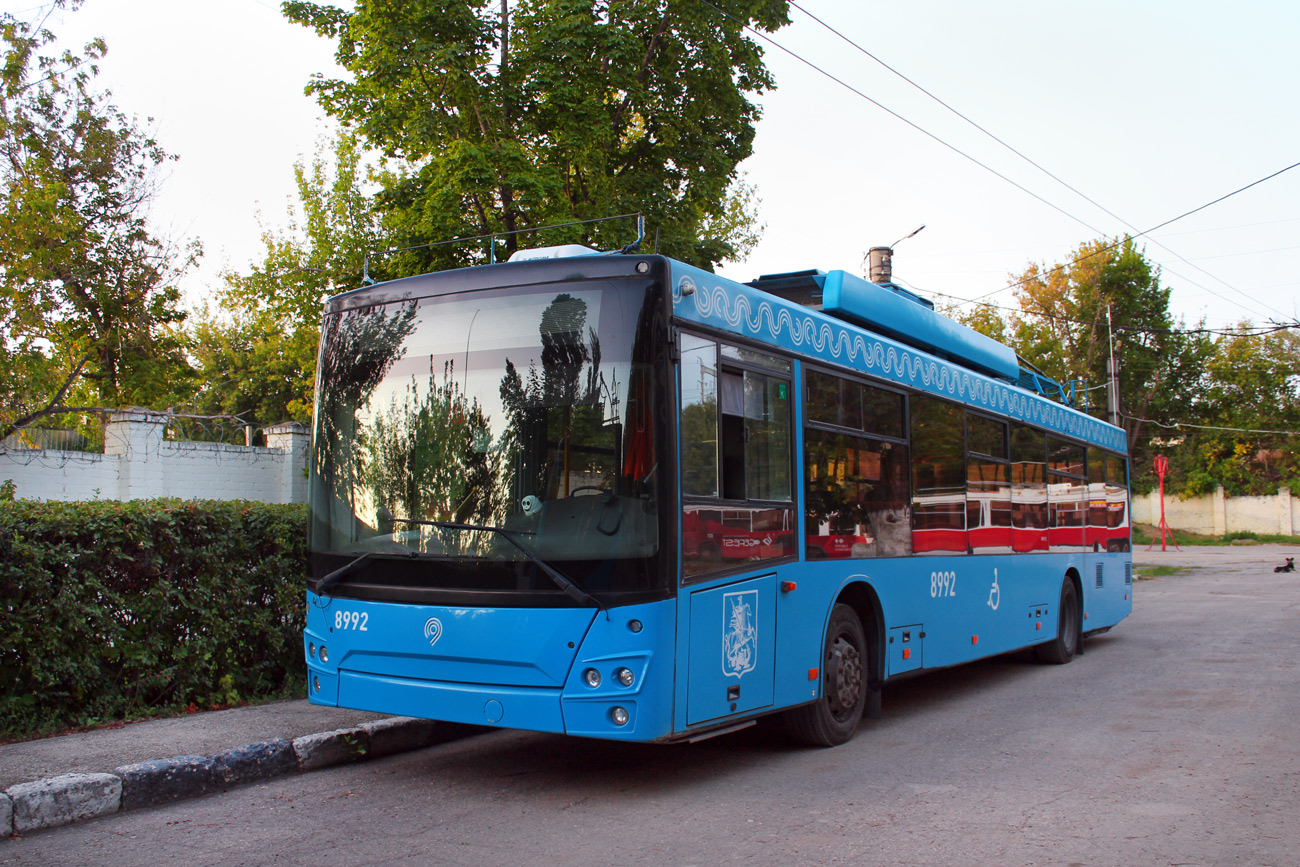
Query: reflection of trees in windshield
{"points": [[357, 350], [429, 455], [556, 440], [836, 490]]}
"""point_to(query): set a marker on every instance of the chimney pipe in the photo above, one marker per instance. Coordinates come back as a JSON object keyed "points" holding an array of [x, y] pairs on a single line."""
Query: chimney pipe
{"points": [[878, 267]]}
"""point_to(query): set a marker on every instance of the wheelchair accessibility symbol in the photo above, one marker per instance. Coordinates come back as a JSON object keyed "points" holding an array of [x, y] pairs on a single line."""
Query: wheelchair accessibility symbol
{"points": [[995, 594]]}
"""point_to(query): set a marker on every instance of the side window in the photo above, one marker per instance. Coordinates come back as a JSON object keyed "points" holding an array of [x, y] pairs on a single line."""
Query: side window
{"points": [[1065, 495], [988, 485], [938, 476], [856, 499], [1028, 488], [1097, 516], [737, 473], [699, 393], [1117, 503]]}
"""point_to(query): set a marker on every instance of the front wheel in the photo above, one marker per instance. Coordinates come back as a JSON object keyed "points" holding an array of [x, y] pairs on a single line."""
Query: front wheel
{"points": [[1066, 644], [833, 718]]}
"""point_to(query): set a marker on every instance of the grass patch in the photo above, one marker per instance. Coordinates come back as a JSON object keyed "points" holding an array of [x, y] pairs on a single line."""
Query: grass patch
{"points": [[1145, 534], [1146, 573]]}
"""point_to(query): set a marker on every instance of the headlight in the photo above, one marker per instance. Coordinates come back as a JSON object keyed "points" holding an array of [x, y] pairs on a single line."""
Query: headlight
{"points": [[624, 676], [324, 654], [592, 677], [618, 715], [311, 649]]}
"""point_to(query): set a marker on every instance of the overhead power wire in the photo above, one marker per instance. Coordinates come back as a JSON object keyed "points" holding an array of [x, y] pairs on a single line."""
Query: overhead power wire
{"points": [[1252, 253], [1022, 156], [968, 120], [1178, 425], [1255, 331], [842, 83], [1110, 247]]}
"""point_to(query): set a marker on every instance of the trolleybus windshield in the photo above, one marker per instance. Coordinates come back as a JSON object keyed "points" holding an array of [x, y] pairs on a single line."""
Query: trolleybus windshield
{"points": [[486, 441]]}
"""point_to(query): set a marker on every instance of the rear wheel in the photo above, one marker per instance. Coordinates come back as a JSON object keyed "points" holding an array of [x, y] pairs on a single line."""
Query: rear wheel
{"points": [[833, 718], [1066, 644]]}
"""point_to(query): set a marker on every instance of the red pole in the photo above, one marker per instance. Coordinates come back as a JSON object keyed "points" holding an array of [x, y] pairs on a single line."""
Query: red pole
{"points": [[1161, 468]]}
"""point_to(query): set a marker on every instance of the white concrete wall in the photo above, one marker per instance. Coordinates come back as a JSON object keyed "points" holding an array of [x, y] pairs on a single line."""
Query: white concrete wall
{"points": [[40, 474], [1217, 514], [139, 464]]}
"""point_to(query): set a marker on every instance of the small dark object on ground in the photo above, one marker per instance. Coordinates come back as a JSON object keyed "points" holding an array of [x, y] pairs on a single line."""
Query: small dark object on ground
{"points": [[1289, 567]]}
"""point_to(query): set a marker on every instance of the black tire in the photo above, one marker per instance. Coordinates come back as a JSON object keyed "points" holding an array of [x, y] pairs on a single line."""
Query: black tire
{"points": [[1063, 648], [833, 718]]}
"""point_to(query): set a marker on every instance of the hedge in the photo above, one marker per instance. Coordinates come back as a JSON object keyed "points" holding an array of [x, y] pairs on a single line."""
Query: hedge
{"points": [[111, 610]]}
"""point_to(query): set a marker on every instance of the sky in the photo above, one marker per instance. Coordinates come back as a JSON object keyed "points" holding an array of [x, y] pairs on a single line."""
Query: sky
{"points": [[1149, 108]]}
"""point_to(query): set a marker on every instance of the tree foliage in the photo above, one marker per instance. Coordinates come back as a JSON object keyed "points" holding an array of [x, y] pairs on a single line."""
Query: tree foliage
{"points": [[88, 302], [257, 351], [1107, 298], [551, 112], [1220, 409], [1239, 437]]}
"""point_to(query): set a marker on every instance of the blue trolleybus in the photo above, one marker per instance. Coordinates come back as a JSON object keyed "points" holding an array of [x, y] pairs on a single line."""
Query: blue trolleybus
{"points": [[620, 497]]}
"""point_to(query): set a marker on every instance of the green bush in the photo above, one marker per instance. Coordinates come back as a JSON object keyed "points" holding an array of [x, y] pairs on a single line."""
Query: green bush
{"points": [[116, 610]]}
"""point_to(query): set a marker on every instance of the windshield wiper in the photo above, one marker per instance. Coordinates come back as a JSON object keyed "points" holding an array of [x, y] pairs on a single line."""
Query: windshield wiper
{"points": [[342, 572], [573, 591], [352, 565]]}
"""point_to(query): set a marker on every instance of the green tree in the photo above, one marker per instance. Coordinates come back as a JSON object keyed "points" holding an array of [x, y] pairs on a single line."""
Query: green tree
{"points": [[1108, 295], [1239, 438], [554, 111], [89, 308], [257, 352]]}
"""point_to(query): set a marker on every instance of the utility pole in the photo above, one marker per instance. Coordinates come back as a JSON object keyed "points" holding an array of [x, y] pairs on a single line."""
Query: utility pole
{"points": [[1112, 378]]}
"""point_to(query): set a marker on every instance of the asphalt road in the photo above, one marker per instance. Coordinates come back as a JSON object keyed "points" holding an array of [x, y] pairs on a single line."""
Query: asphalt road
{"points": [[1175, 740]]}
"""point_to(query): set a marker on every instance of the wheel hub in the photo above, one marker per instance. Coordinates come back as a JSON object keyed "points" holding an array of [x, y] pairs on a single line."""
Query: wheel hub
{"points": [[845, 677]]}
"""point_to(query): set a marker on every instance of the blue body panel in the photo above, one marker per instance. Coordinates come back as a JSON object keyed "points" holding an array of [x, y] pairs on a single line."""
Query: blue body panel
{"points": [[852, 297], [515, 667], [969, 619]]}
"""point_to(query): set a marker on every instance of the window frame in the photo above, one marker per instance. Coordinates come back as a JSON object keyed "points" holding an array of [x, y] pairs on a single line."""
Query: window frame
{"points": [[807, 422], [719, 501]]}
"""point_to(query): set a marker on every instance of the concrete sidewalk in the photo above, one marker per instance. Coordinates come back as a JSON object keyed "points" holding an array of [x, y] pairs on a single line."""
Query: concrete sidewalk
{"points": [[54, 781]]}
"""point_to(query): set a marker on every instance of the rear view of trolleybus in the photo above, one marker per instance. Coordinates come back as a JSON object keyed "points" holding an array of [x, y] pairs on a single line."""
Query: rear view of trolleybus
{"points": [[511, 521]]}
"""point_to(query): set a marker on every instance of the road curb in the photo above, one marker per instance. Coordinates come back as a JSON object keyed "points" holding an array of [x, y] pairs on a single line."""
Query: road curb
{"points": [[68, 798], [63, 800]]}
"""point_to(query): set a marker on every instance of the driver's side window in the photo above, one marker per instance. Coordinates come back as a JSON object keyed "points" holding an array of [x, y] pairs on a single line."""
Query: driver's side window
{"points": [[737, 473]]}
